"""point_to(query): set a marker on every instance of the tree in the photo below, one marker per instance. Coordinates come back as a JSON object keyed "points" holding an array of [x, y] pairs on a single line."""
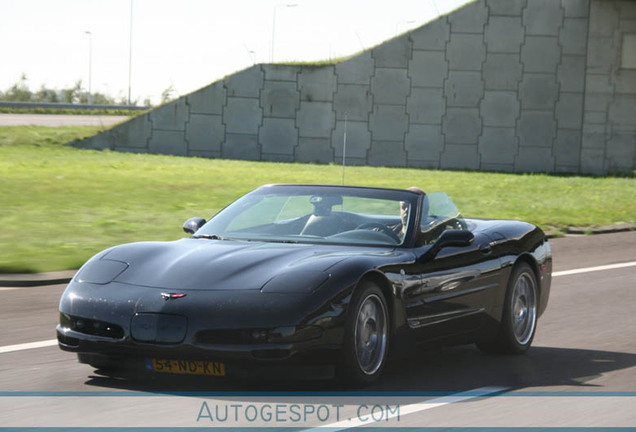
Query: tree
{"points": [[46, 95], [19, 92], [72, 95], [168, 94]]}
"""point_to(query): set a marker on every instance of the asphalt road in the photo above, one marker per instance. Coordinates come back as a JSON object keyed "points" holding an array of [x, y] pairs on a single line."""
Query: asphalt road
{"points": [[580, 372], [58, 120]]}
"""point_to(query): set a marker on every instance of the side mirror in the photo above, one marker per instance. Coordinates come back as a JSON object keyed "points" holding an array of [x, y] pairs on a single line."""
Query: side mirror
{"points": [[193, 224], [449, 238]]}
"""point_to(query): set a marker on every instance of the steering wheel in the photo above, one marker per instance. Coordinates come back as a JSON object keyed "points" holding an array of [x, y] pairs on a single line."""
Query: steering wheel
{"points": [[376, 226]]}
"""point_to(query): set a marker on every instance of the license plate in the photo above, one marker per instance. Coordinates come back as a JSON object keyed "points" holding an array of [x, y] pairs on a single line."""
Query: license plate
{"points": [[187, 367]]}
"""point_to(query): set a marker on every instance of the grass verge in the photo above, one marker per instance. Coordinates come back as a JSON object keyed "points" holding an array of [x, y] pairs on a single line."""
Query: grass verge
{"points": [[60, 205]]}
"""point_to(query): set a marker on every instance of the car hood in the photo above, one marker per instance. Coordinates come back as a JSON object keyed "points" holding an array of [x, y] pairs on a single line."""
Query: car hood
{"points": [[202, 264]]}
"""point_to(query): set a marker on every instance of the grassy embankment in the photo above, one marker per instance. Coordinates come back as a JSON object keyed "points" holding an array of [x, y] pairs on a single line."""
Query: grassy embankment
{"points": [[60, 205]]}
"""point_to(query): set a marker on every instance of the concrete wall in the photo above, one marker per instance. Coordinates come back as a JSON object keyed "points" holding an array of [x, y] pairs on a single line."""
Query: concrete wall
{"points": [[609, 130], [503, 85]]}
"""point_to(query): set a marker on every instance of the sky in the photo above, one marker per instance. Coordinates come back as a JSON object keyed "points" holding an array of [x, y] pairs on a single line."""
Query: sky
{"points": [[186, 44]]}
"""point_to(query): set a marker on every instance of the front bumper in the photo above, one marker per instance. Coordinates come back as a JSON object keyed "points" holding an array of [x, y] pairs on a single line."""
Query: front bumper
{"points": [[246, 330]]}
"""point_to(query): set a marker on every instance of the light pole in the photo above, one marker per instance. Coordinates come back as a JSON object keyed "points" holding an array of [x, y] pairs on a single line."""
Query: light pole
{"points": [[90, 65], [274, 23], [130, 51]]}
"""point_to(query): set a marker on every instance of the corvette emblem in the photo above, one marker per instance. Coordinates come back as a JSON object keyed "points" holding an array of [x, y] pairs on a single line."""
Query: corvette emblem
{"points": [[171, 296]]}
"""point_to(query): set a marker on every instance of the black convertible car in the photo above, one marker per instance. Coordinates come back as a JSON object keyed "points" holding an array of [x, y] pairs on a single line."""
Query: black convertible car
{"points": [[309, 281]]}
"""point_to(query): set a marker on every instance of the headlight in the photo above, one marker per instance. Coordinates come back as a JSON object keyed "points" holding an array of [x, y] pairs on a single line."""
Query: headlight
{"points": [[296, 282], [101, 271]]}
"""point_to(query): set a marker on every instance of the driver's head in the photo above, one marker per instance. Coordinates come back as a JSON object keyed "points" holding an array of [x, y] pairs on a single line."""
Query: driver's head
{"points": [[404, 205]]}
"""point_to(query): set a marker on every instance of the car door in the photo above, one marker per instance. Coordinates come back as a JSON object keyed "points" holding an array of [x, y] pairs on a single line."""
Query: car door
{"points": [[455, 290]]}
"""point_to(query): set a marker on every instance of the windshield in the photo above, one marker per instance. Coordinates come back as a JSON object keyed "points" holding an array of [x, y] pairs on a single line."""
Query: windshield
{"points": [[317, 214]]}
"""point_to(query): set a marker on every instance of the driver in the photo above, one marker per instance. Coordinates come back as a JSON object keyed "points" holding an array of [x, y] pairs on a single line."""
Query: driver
{"points": [[400, 228]]}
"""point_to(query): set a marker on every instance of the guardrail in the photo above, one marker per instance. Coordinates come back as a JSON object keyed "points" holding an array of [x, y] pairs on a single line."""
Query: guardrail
{"points": [[8, 104]]}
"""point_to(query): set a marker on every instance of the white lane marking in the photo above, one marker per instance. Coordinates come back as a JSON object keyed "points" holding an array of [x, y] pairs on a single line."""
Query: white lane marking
{"points": [[593, 269], [7, 289], [26, 346], [413, 408]]}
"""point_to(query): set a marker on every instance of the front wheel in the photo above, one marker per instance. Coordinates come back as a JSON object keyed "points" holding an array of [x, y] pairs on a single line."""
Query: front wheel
{"points": [[366, 339], [519, 321]]}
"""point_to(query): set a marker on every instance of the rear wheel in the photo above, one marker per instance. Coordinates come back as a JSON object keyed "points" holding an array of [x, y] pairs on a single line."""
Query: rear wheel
{"points": [[519, 321], [366, 340]]}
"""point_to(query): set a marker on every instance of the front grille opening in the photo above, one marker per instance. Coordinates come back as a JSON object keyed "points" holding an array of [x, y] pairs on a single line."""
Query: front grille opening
{"points": [[67, 340], [91, 327], [230, 337], [272, 354], [281, 335]]}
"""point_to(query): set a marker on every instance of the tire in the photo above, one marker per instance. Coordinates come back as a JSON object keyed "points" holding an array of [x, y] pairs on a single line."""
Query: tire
{"points": [[519, 321], [366, 339]]}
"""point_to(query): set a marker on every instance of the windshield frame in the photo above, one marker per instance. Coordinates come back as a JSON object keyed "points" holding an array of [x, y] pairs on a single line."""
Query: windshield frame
{"points": [[397, 195]]}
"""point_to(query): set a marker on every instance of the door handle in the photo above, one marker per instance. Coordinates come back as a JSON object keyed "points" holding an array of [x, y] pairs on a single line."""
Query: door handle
{"points": [[485, 249]]}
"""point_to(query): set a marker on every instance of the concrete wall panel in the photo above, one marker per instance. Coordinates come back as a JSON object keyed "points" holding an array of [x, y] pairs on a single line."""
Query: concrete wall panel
{"points": [[573, 36], [358, 140], [462, 126], [395, 53], [536, 129], [543, 17], [387, 153], [576, 8], [390, 86], [171, 116], [353, 101], [504, 34], [424, 143], [505, 7], [433, 36], [466, 51], [168, 142], [317, 84], [534, 159], [314, 150], [498, 146], [623, 113], [500, 108], [428, 69], [426, 105], [242, 115], [388, 123], [538, 91], [134, 133], [540, 54], [469, 19], [208, 100], [567, 150], [278, 136], [315, 119], [205, 133], [281, 72], [357, 70], [458, 156], [246, 83], [241, 146], [464, 89], [280, 99], [569, 111], [571, 73], [621, 151], [502, 71]]}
